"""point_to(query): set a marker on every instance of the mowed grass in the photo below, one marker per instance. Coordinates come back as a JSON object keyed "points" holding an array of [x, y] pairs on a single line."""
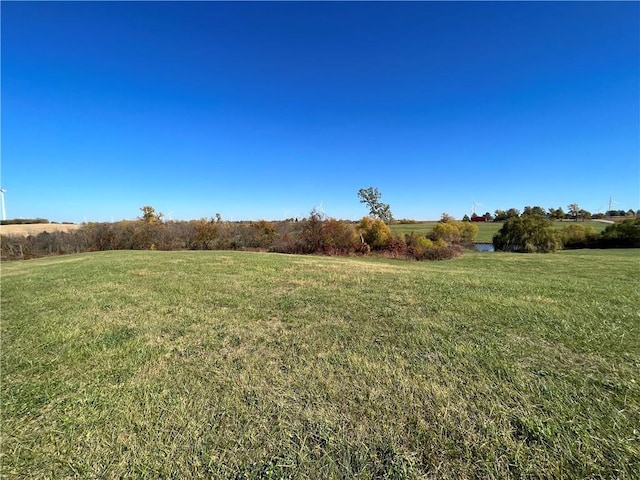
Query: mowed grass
{"points": [[486, 230], [250, 365]]}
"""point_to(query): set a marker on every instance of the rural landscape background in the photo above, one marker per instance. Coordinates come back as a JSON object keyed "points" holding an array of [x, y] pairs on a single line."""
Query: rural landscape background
{"points": [[345, 358], [216, 259], [533, 230]]}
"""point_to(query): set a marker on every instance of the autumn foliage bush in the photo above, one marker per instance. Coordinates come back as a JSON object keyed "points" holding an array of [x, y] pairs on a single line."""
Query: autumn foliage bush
{"points": [[374, 232], [420, 247], [453, 231], [578, 236]]}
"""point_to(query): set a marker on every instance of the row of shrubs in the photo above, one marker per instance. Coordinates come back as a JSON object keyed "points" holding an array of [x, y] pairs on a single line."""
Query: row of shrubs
{"points": [[23, 221], [533, 233], [315, 234]]}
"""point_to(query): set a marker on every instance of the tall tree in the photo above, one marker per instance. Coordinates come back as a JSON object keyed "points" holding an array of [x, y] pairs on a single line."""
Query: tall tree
{"points": [[371, 197], [149, 214], [556, 213], [574, 211]]}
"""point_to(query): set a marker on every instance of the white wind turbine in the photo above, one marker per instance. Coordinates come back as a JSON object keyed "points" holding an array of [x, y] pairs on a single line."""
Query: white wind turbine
{"points": [[475, 204], [4, 212], [320, 209]]}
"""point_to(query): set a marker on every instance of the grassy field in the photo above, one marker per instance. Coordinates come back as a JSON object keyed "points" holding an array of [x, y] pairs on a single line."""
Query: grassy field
{"points": [[487, 230], [247, 365]]}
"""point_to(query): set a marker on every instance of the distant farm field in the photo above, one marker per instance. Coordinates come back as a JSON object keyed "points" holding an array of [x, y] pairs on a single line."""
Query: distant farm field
{"points": [[189, 364], [486, 230], [37, 228]]}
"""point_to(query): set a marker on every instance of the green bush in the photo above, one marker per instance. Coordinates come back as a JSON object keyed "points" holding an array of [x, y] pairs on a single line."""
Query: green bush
{"points": [[624, 234], [578, 236], [527, 234]]}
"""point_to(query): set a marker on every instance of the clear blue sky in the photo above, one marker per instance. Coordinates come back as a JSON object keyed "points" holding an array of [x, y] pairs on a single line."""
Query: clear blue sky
{"points": [[265, 110]]}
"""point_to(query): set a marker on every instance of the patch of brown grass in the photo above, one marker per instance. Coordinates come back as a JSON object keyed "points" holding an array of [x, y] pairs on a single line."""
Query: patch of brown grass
{"points": [[37, 228]]}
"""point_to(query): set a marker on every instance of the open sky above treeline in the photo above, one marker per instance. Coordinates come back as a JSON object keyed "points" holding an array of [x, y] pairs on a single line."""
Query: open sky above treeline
{"points": [[264, 110]]}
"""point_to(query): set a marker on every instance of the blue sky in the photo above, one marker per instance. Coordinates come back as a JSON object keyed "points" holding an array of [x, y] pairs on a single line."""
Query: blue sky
{"points": [[265, 110]]}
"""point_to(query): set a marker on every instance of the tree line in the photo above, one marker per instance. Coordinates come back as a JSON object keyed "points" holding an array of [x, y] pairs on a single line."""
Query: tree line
{"points": [[574, 212], [314, 234], [529, 231], [532, 232]]}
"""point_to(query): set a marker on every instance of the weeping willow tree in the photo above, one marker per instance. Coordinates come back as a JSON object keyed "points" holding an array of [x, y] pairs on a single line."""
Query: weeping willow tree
{"points": [[527, 234]]}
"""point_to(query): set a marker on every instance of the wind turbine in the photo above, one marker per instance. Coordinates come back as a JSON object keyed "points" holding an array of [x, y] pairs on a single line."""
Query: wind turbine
{"points": [[4, 212], [475, 204]]}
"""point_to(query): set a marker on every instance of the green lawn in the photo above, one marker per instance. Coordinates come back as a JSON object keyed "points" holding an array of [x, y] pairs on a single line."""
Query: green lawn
{"points": [[486, 230], [249, 365]]}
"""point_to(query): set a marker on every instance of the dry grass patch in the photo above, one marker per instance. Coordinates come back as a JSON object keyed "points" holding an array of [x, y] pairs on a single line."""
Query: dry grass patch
{"points": [[37, 228]]}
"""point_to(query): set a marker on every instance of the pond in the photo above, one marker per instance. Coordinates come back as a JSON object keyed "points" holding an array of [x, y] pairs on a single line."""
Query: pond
{"points": [[484, 247]]}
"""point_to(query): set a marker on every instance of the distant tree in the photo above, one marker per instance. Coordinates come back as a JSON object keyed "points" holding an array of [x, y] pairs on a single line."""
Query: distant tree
{"points": [[500, 216], [615, 213], [206, 233], [528, 234], [584, 214], [371, 197], [556, 213], [466, 218], [534, 211], [311, 235], [149, 215], [574, 211], [513, 213], [488, 217], [446, 218], [264, 234]]}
